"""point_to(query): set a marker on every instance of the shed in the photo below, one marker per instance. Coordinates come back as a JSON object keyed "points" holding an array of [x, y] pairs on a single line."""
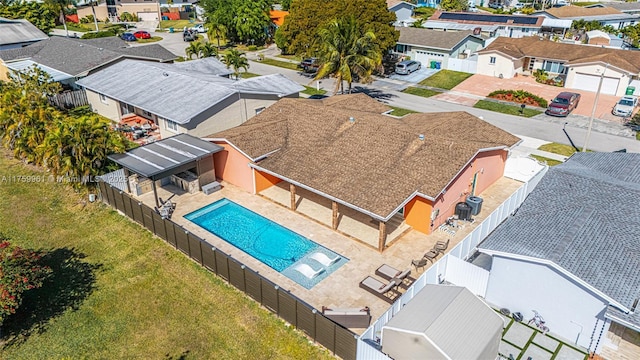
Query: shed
{"points": [[443, 322]]}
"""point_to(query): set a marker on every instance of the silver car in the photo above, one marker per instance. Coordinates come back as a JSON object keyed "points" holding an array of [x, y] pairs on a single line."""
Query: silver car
{"points": [[407, 67], [625, 106]]}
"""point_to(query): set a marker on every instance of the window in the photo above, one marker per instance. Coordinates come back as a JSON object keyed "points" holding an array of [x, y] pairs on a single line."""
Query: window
{"points": [[147, 114], [492, 60], [553, 67], [103, 99], [259, 110], [170, 125], [532, 62], [126, 109]]}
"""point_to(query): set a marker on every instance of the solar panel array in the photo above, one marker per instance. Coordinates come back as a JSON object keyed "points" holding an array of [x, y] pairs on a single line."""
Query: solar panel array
{"points": [[520, 20]]}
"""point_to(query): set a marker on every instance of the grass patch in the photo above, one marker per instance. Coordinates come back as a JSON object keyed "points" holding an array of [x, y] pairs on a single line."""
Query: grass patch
{"points": [[638, 135], [282, 64], [560, 149], [445, 79], [150, 40], [246, 75], [120, 293], [420, 92], [400, 111], [545, 160], [584, 3], [312, 91], [177, 25], [505, 109], [291, 57]]}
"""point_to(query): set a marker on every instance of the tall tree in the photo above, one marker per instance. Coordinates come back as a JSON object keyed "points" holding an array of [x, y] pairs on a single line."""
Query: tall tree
{"points": [[454, 5], [195, 47], [60, 6], [243, 20], [346, 51], [216, 30], [236, 60], [40, 15]]}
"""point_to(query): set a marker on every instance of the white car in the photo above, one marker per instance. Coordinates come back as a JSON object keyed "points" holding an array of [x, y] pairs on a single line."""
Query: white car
{"points": [[625, 106], [199, 28]]}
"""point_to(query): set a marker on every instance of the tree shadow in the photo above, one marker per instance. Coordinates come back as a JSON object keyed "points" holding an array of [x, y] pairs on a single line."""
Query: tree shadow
{"points": [[72, 280], [374, 93]]}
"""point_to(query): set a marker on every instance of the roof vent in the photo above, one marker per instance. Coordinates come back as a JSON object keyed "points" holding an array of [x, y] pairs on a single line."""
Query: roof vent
{"points": [[635, 304], [165, 74], [421, 137], [352, 119]]}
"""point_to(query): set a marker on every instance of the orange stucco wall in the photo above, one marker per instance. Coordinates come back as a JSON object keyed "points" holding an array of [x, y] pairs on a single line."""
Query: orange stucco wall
{"points": [[264, 180], [417, 214], [233, 167]]}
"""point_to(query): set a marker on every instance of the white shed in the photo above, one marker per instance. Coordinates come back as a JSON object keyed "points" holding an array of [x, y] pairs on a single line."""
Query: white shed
{"points": [[443, 322]]}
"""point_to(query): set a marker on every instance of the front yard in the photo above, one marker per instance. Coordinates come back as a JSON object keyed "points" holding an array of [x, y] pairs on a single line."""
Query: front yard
{"points": [[445, 79], [506, 109]]}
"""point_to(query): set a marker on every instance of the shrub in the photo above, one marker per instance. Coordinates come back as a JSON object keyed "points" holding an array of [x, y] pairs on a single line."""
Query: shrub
{"points": [[95, 35], [87, 19], [519, 96], [125, 16], [252, 48]]}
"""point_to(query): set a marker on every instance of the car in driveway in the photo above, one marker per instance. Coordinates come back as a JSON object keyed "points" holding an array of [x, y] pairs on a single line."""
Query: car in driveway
{"points": [[128, 37], [199, 28], [563, 104], [407, 67], [142, 34], [310, 65], [189, 35], [625, 106]]}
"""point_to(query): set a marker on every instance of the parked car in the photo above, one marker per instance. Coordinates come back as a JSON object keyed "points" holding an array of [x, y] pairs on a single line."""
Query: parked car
{"points": [[407, 67], [189, 35], [199, 28], [625, 106], [128, 37], [310, 65], [142, 34], [563, 104]]}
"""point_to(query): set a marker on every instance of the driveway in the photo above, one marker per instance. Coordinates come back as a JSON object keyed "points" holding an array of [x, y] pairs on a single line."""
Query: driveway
{"points": [[416, 76], [482, 85]]}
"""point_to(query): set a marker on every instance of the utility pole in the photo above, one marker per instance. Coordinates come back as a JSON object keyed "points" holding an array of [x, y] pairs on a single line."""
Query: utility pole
{"points": [[593, 110]]}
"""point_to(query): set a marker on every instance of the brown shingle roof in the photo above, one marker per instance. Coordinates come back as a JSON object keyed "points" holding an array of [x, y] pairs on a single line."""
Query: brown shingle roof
{"points": [[374, 163], [570, 11], [431, 38], [574, 54]]}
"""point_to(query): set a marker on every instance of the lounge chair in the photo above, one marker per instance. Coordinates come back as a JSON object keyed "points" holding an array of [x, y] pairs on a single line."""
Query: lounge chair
{"points": [[349, 317], [323, 259], [384, 291], [307, 270], [388, 272]]}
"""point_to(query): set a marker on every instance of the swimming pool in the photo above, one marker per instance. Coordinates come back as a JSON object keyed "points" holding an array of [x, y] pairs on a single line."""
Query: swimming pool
{"points": [[271, 243]]}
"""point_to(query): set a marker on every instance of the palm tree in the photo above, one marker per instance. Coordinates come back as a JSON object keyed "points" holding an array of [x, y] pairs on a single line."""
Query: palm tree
{"points": [[346, 50], [237, 60], [216, 30], [59, 6], [195, 48], [207, 49]]}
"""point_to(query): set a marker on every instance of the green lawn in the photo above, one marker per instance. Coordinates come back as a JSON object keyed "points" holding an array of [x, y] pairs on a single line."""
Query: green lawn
{"points": [[291, 57], [246, 75], [177, 25], [445, 79], [550, 162], [120, 293], [560, 149], [282, 64], [400, 111], [505, 109], [150, 40], [420, 92], [312, 91]]}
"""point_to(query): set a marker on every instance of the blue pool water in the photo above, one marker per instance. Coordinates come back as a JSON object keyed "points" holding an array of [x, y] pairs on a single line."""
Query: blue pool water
{"points": [[265, 240]]}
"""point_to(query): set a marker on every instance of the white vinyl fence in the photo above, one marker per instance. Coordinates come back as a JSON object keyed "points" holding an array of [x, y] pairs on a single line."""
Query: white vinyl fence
{"points": [[369, 341], [469, 65]]}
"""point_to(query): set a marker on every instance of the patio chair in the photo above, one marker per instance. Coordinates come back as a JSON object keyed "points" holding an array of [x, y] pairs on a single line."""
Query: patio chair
{"points": [[323, 259], [307, 271], [384, 291], [419, 263], [441, 246], [431, 255], [388, 273]]}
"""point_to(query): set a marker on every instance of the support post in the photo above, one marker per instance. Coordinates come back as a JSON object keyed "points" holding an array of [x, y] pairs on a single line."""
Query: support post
{"points": [[292, 190], [383, 236], [155, 193], [334, 216]]}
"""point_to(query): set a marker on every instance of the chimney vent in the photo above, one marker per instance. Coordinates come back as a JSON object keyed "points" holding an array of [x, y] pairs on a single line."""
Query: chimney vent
{"points": [[352, 119], [421, 137]]}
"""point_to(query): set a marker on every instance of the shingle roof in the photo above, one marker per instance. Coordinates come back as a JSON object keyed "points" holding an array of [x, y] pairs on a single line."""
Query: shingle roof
{"points": [[570, 11], [584, 217], [445, 40], [173, 91], [19, 31], [392, 3], [574, 54], [374, 163]]}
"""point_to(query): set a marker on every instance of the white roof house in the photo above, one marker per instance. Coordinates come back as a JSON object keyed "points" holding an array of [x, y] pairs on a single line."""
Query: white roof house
{"points": [[18, 33]]}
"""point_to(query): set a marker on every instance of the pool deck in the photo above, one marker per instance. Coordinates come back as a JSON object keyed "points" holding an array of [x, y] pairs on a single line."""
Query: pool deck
{"points": [[339, 289]]}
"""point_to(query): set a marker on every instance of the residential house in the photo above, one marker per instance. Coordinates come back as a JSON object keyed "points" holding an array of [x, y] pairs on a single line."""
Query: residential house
{"points": [[428, 3], [18, 33], [493, 25], [603, 15], [403, 11], [601, 38], [145, 10], [191, 97], [277, 17], [571, 251], [622, 6], [581, 67], [362, 168], [438, 49], [68, 60]]}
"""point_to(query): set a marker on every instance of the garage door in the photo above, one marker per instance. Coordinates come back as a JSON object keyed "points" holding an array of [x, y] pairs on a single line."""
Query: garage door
{"points": [[148, 16], [423, 58], [590, 83]]}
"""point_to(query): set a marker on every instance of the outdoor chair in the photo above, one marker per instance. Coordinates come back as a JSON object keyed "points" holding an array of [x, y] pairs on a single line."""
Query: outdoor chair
{"points": [[349, 317], [419, 263], [323, 259], [384, 291], [307, 271], [431, 255], [388, 273], [441, 246]]}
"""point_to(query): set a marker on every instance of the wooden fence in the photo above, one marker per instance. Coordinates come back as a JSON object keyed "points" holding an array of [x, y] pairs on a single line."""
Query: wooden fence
{"points": [[69, 99], [339, 340]]}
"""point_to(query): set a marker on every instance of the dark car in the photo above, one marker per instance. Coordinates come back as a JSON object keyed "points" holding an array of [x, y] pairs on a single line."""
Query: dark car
{"points": [[310, 65], [189, 35], [142, 35], [128, 37], [563, 104]]}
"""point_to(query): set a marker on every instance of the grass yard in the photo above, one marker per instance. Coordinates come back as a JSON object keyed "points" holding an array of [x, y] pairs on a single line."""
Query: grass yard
{"points": [[246, 75], [119, 293], [177, 25], [445, 79], [291, 57], [505, 109], [312, 91], [420, 92], [560, 149], [150, 40], [400, 111], [545, 160], [282, 64]]}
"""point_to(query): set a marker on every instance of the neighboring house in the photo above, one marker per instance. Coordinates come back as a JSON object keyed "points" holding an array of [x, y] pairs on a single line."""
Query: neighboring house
{"points": [[582, 67], [603, 15], [625, 7], [191, 97], [18, 33], [145, 10], [277, 17], [428, 3], [403, 11], [437, 49], [68, 60], [601, 38], [571, 251], [492, 25], [350, 157], [443, 322]]}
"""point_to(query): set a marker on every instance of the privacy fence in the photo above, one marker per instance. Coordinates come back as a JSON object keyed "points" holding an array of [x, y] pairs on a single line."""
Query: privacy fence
{"points": [[339, 340], [69, 99]]}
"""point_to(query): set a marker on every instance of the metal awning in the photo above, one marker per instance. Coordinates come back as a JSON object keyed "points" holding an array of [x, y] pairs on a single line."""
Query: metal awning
{"points": [[166, 157], [24, 65]]}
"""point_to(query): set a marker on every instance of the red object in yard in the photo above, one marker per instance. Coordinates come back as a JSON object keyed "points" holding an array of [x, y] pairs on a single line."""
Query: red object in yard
{"points": [[171, 16], [72, 18]]}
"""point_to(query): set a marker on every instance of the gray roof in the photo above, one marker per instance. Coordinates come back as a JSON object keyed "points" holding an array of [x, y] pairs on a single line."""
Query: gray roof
{"points": [[19, 31], [444, 40], [450, 25], [24, 65], [175, 92], [584, 217], [443, 313], [164, 157], [209, 65], [625, 6], [79, 57]]}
